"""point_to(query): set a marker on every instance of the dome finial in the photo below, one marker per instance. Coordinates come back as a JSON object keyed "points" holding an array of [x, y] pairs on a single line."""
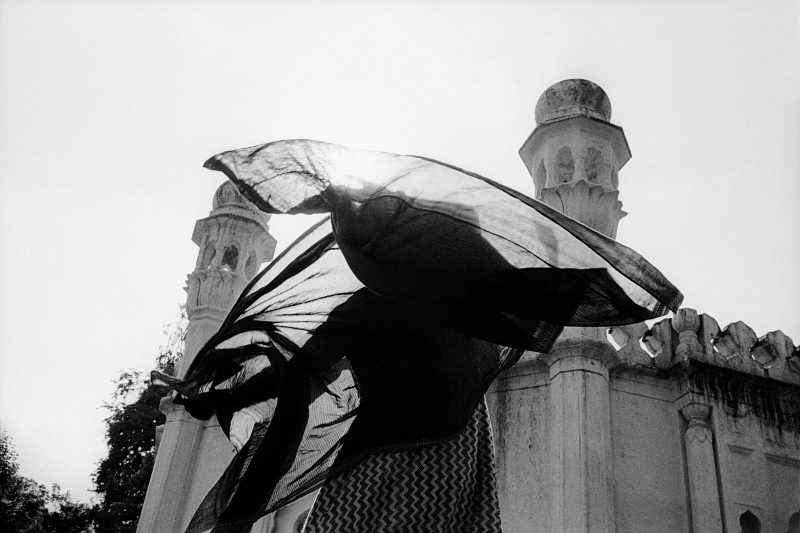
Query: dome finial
{"points": [[227, 194], [573, 97]]}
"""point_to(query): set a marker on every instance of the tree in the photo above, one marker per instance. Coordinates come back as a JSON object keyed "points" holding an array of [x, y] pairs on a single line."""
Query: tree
{"points": [[123, 475], [22, 501], [121, 478], [28, 507], [69, 517]]}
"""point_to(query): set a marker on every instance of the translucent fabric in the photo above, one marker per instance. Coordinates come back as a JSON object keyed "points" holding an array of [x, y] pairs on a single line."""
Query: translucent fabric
{"points": [[381, 328]]}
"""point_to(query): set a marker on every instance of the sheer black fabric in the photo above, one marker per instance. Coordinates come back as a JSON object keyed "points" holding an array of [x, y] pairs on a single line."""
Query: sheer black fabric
{"points": [[382, 328]]}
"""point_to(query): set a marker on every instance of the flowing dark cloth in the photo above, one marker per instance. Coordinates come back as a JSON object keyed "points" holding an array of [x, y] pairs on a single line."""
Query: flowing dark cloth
{"points": [[381, 330]]}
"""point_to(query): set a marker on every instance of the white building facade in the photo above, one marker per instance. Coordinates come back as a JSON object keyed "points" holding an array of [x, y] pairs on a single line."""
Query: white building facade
{"points": [[683, 427]]}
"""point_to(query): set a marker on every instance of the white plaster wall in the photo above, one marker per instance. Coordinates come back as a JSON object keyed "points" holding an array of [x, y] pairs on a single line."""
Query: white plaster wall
{"points": [[759, 470], [518, 407], [647, 441], [213, 456]]}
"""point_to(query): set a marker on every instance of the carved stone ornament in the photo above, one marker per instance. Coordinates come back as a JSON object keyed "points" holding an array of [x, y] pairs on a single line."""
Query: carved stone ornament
{"points": [[686, 323], [793, 363], [590, 204], [630, 350], [227, 194], [736, 339], [696, 415], [697, 433], [658, 343], [770, 348]]}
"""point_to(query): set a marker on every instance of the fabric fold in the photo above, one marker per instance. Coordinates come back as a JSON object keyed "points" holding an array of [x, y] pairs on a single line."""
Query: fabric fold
{"points": [[381, 327]]}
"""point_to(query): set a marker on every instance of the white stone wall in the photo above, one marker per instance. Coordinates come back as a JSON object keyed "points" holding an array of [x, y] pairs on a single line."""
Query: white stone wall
{"points": [[518, 406], [683, 461]]}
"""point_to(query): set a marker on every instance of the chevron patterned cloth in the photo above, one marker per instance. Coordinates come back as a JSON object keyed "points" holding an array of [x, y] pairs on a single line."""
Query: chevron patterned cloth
{"points": [[449, 487]]}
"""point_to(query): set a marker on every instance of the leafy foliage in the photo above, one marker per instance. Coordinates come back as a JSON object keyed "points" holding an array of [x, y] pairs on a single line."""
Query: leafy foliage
{"points": [[28, 507], [122, 477]]}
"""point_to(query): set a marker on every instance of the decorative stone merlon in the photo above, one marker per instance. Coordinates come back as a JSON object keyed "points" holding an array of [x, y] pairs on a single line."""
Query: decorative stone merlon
{"points": [[793, 362], [686, 323], [659, 343], [735, 340], [690, 336], [630, 351], [771, 348]]}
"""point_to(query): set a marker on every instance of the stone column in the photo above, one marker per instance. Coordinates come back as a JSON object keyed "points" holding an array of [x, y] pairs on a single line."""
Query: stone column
{"points": [[176, 450], [582, 484], [234, 241], [702, 470]]}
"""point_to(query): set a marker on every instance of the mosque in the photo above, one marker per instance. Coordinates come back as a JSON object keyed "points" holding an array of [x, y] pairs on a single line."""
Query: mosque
{"points": [[676, 428]]}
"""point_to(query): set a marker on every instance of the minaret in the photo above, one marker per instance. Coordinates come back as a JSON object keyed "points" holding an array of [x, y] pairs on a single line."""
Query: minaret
{"points": [[575, 153], [592, 437], [551, 411], [234, 242]]}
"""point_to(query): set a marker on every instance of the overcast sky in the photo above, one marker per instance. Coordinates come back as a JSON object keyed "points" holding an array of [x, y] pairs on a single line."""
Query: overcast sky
{"points": [[109, 109]]}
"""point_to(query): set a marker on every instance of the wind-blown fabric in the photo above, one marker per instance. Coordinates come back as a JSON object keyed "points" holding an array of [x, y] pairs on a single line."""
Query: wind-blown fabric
{"points": [[381, 329]]}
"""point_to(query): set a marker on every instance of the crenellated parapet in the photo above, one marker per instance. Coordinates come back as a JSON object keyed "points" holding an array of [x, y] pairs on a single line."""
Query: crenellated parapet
{"points": [[732, 365], [691, 337]]}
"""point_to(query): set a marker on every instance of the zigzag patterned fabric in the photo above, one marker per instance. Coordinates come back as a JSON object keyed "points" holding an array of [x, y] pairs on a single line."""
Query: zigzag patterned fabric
{"points": [[449, 487]]}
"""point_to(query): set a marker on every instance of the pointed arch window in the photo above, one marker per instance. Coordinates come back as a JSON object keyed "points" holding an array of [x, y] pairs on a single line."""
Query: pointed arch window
{"points": [[230, 258], [209, 252], [594, 163], [749, 523], [565, 165], [541, 175]]}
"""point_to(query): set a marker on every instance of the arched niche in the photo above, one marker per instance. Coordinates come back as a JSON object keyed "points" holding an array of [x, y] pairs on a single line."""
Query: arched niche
{"points": [[230, 257], [541, 175], [209, 252], [749, 523], [565, 165], [593, 164]]}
